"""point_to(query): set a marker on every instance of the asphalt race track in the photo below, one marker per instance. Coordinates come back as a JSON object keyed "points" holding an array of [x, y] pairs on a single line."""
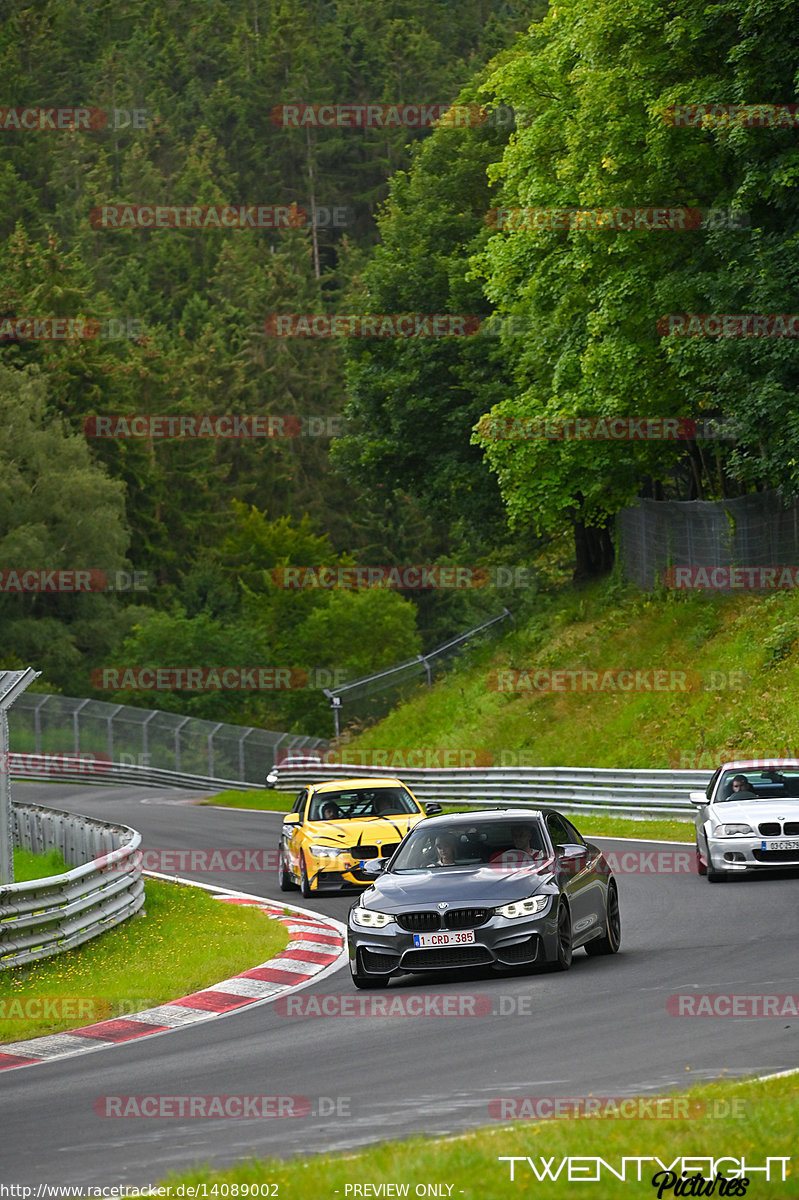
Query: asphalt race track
{"points": [[601, 1029]]}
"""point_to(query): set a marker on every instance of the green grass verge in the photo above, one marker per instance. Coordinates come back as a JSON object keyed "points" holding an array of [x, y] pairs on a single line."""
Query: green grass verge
{"points": [[598, 825], [29, 866], [750, 1120], [266, 799], [186, 941]]}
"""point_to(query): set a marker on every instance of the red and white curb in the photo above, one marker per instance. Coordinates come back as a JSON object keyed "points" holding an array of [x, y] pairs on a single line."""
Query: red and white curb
{"points": [[316, 948]]}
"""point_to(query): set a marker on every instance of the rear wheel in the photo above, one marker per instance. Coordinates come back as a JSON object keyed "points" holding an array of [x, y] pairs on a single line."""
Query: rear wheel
{"points": [[286, 882], [610, 943], [305, 883], [563, 959]]}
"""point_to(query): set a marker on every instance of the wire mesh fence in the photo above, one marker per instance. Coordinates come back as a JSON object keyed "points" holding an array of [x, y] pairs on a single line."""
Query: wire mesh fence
{"points": [[103, 733], [758, 530], [366, 700]]}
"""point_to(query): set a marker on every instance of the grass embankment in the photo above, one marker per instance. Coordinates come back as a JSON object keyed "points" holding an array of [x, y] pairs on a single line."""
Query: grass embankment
{"points": [[750, 1120], [599, 825], [186, 941], [28, 866], [740, 653]]}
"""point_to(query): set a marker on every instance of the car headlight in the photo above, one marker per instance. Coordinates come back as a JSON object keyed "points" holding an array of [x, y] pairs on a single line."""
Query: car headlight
{"points": [[524, 908], [370, 918], [328, 851], [732, 831]]}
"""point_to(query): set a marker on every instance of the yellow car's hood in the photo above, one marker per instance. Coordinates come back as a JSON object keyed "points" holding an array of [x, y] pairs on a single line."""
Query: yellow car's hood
{"points": [[367, 831]]}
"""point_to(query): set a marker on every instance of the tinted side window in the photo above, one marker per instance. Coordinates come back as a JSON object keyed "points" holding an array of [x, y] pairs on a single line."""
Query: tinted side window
{"points": [[299, 803], [574, 836], [560, 831]]}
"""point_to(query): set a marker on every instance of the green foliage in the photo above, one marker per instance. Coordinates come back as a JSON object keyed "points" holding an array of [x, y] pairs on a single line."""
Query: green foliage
{"points": [[593, 82]]}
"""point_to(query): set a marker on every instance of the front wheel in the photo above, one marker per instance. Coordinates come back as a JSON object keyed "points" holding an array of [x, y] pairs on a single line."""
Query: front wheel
{"points": [[286, 882], [564, 943], [714, 876], [610, 943], [701, 867], [305, 883]]}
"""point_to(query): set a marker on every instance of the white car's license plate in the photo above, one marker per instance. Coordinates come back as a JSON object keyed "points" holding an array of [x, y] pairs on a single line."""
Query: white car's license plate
{"points": [[443, 939], [782, 844]]}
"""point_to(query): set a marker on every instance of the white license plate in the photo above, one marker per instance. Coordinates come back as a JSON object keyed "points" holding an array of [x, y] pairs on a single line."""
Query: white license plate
{"points": [[782, 844], [443, 939]]}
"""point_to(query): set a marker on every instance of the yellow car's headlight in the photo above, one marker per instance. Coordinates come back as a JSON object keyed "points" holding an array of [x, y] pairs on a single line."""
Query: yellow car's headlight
{"points": [[524, 908], [370, 918], [328, 851]]}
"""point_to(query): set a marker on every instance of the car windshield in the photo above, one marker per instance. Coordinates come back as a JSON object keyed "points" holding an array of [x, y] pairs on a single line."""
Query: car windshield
{"points": [[469, 844], [360, 803], [766, 783]]}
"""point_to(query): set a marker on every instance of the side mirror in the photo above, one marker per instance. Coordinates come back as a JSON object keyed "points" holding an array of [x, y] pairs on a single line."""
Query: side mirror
{"points": [[291, 818], [697, 799], [432, 808], [374, 866], [571, 850]]}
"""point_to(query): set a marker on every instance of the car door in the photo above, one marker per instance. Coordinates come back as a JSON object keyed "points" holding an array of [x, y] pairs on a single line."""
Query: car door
{"points": [[581, 880], [292, 833]]}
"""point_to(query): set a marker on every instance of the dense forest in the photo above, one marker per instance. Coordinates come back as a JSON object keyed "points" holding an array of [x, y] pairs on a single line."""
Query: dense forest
{"points": [[379, 450]]}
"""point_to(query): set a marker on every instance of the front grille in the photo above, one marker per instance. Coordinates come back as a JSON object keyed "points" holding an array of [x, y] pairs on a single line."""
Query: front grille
{"points": [[466, 918], [522, 952], [792, 827], [364, 852], [387, 849], [419, 922], [446, 956], [776, 856], [372, 961], [769, 828]]}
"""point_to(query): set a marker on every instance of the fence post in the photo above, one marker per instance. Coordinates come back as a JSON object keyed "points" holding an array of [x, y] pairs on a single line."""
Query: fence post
{"points": [[12, 683]]}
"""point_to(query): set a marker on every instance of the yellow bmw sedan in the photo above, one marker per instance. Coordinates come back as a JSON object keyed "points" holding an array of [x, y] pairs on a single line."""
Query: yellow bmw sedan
{"points": [[335, 827]]}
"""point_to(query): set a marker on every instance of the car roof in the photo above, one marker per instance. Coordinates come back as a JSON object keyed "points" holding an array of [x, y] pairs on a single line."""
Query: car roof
{"points": [[350, 785], [757, 764], [486, 815]]}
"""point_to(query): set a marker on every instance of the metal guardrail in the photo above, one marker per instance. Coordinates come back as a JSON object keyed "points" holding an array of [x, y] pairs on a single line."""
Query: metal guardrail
{"points": [[46, 916], [573, 789], [68, 768]]}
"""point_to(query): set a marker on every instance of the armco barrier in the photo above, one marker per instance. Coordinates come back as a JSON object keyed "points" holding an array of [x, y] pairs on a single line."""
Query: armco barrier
{"points": [[77, 769], [46, 916], [628, 792]]}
